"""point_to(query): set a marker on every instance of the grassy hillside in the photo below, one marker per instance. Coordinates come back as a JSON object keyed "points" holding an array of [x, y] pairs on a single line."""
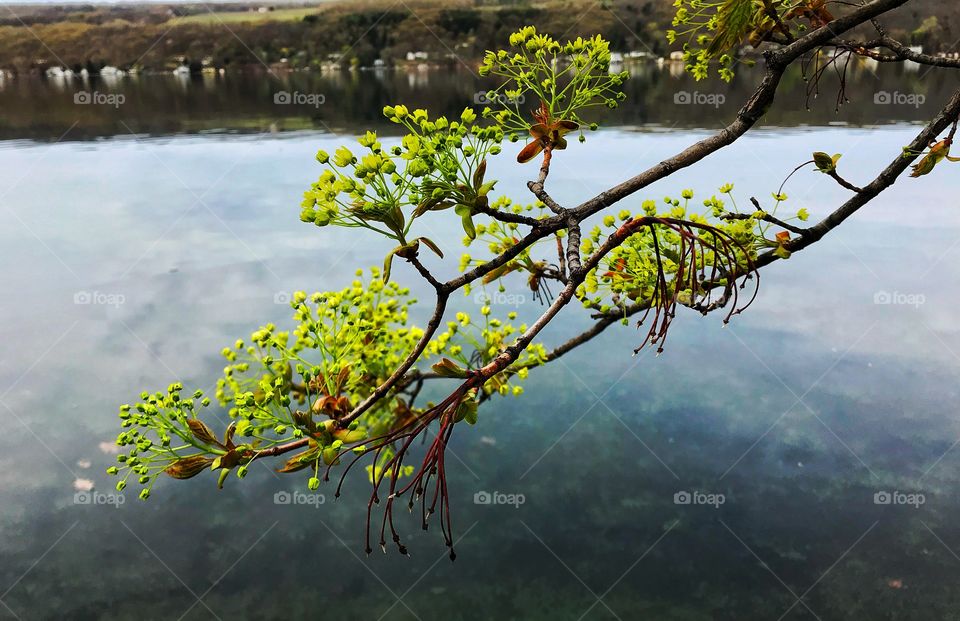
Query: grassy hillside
{"points": [[160, 36], [247, 16]]}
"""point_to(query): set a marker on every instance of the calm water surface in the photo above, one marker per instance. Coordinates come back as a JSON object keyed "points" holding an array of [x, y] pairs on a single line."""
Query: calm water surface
{"points": [[798, 413]]}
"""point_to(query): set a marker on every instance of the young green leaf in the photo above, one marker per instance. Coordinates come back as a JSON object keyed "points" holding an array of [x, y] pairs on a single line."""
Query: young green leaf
{"points": [[449, 368]]}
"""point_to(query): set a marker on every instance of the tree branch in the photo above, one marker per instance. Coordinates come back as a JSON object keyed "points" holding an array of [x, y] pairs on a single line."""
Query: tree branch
{"points": [[766, 218], [900, 51], [507, 216], [537, 187], [382, 390], [944, 119], [749, 114], [570, 219]]}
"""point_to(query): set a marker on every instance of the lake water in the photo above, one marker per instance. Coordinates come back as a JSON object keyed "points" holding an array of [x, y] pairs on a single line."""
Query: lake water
{"points": [[176, 214]]}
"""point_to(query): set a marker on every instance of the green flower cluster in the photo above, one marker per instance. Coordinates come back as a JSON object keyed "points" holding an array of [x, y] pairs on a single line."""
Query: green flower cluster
{"points": [[281, 386], [630, 272], [343, 344], [563, 79], [439, 164], [159, 433], [713, 30], [475, 345]]}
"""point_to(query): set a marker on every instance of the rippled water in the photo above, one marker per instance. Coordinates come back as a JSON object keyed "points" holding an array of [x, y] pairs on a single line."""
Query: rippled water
{"points": [[799, 413]]}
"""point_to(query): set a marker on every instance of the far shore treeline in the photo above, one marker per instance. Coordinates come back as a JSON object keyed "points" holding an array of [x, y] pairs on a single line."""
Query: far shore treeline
{"points": [[157, 37]]}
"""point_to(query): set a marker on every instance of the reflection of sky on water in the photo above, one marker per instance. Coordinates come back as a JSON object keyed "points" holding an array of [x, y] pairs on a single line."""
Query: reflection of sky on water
{"points": [[199, 245]]}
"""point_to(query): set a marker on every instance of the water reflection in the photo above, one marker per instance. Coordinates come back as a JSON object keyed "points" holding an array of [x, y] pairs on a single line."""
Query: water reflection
{"points": [[245, 102], [802, 410]]}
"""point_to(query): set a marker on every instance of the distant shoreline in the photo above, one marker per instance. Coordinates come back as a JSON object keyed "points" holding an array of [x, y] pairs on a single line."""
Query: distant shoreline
{"points": [[161, 37]]}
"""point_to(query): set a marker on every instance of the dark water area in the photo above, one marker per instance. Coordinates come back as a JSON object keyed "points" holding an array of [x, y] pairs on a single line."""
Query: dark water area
{"points": [[257, 101], [800, 463]]}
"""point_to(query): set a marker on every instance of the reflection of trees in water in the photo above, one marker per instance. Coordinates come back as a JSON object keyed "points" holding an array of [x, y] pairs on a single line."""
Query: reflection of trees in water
{"points": [[164, 104]]}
